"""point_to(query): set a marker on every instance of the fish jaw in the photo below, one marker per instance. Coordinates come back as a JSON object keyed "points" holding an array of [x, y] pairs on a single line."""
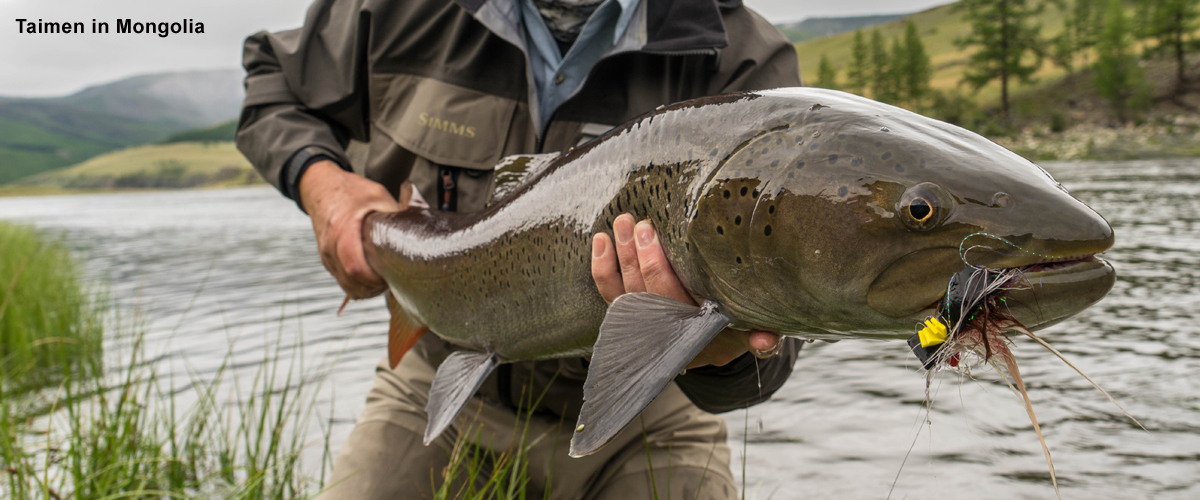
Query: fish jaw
{"points": [[1048, 293]]}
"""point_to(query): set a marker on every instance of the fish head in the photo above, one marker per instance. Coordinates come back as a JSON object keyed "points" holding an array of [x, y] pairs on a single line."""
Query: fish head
{"points": [[850, 219]]}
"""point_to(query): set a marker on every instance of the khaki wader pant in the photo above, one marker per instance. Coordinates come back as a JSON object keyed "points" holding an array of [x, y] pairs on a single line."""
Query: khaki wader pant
{"points": [[384, 457]]}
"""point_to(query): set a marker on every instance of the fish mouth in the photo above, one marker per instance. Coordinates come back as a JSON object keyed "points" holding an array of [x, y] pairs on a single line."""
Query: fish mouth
{"points": [[1051, 290], [1048, 265]]}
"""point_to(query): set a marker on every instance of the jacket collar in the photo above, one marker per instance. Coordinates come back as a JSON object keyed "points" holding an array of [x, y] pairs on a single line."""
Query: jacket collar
{"points": [[669, 25]]}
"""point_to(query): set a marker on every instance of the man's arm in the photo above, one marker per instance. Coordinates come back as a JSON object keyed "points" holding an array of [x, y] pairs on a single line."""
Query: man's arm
{"points": [[304, 101]]}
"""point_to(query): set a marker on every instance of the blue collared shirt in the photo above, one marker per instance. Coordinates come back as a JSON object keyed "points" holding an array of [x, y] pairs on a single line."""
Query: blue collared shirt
{"points": [[557, 76]]}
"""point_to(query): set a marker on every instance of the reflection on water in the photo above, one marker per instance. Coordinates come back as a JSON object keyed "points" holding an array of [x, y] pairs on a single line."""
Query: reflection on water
{"points": [[213, 269]]}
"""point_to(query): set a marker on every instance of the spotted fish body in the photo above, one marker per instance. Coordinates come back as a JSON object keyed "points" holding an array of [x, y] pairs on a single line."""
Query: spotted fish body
{"points": [[802, 211]]}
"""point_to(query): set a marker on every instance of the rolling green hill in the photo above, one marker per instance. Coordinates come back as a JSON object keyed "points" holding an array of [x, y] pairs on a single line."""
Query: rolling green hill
{"points": [[815, 27], [42, 134], [221, 132], [175, 165]]}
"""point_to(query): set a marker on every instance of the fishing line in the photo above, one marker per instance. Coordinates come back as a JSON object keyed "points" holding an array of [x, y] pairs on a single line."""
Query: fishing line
{"points": [[962, 252]]}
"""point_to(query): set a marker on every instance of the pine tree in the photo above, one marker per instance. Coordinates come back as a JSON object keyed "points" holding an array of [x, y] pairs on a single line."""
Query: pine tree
{"points": [[1008, 46], [826, 74], [1085, 22], [1117, 75], [1062, 50], [859, 73], [882, 84], [918, 70], [1168, 23]]}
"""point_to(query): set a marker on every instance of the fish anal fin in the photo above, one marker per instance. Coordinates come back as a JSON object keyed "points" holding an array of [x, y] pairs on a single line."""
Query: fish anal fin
{"points": [[644, 342], [403, 332], [458, 377]]}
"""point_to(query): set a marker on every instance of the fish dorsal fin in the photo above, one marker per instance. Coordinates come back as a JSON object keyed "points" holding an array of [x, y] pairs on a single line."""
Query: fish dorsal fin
{"points": [[645, 341], [459, 376], [513, 171], [403, 332]]}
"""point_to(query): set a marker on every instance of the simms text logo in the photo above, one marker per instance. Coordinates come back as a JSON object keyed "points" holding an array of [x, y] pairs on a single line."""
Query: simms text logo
{"points": [[436, 123]]}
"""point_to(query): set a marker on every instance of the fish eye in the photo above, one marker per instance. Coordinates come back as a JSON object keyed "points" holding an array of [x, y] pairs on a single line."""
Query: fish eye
{"points": [[920, 210], [923, 206]]}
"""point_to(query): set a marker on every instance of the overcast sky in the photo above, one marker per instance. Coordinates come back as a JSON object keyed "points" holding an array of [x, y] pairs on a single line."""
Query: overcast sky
{"points": [[59, 64]]}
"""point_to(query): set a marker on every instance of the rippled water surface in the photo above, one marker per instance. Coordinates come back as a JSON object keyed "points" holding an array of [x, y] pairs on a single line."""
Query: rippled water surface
{"points": [[215, 271]]}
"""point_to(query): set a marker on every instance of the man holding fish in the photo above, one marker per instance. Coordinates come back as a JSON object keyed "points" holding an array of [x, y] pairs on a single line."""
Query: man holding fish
{"points": [[373, 104]]}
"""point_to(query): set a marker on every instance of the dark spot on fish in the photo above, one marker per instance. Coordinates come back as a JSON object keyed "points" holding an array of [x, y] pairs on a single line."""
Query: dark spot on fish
{"points": [[886, 155], [739, 260], [775, 163], [710, 121], [749, 162], [766, 139], [817, 107], [877, 143], [754, 194], [833, 159], [778, 141], [727, 193], [764, 151], [713, 153], [884, 129], [842, 191], [744, 189], [856, 162], [841, 136], [720, 230], [816, 120], [737, 220], [799, 139], [899, 167], [922, 163], [758, 173], [799, 164], [677, 139], [814, 146], [771, 209], [767, 230]]}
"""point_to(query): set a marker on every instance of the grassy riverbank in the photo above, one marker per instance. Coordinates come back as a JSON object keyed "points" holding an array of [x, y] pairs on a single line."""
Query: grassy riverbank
{"points": [[49, 325], [89, 420]]}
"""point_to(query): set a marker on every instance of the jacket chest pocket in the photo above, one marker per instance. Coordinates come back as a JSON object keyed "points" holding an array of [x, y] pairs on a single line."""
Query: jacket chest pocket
{"points": [[444, 125]]}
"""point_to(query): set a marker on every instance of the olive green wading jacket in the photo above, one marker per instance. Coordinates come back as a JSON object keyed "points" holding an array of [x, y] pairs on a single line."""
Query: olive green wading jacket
{"points": [[438, 91]]}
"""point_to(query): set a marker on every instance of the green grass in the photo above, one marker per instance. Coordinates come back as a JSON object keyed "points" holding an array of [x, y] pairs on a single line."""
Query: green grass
{"points": [[174, 165], [121, 432], [49, 325], [475, 472], [108, 426]]}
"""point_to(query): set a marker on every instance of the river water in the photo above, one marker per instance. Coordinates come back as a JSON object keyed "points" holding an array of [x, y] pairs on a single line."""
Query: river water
{"points": [[217, 273]]}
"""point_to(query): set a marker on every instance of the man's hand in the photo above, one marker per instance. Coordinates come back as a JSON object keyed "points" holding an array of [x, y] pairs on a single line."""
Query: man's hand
{"points": [[338, 201], [644, 268]]}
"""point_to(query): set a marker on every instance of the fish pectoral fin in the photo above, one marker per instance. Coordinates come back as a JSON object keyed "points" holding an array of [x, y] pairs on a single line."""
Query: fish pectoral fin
{"points": [[403, 332], [645, 340], [456, 380]]}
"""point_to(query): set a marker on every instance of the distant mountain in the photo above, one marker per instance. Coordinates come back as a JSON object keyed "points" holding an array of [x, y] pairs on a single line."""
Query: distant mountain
{"points": [[40, 134], [816, 27]]}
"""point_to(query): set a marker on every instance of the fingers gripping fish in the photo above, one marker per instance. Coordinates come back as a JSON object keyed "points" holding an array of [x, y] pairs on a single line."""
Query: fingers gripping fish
{"points": [[805, 212]]}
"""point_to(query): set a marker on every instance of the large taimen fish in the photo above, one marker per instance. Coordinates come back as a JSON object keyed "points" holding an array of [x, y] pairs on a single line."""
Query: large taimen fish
{"points": [[804, 212]]}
